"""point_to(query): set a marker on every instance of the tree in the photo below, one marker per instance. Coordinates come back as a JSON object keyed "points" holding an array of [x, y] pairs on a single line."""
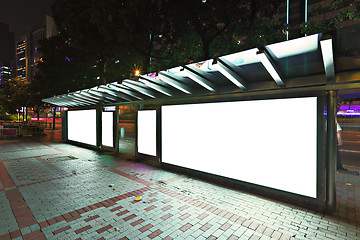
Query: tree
{"points": [[62, 68], [15, 95], [163, 33], [225, 21], [334, 13]]}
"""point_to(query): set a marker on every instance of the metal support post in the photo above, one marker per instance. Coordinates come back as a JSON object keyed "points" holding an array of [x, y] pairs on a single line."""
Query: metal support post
{"points": [[116, 130], [64, 126], [99, 127], [331, 149]]}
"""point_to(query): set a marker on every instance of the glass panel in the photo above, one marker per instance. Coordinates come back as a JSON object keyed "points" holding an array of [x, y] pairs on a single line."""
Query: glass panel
{"points": [[127, 116]]}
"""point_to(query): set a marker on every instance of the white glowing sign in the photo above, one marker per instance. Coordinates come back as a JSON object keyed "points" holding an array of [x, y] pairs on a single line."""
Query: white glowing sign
{"points": [[82, 126], [271, 143], [147, 132], [107, 129]]}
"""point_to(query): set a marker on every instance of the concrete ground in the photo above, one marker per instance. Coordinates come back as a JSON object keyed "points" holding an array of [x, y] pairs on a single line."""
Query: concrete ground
{"points": [[53, 190]]}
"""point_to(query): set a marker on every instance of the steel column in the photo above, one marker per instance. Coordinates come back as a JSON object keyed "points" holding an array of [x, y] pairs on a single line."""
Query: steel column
{"points": [[99, 128], [116, 130], [331, 156]]}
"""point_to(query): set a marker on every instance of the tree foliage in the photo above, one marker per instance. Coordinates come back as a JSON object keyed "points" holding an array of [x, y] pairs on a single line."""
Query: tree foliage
{"points": [[103, 41], [334, 13], [14, 94], [168, 32]]}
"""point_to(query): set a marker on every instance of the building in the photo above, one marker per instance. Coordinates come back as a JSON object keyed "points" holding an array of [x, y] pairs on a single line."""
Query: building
{"points": [[295, 12], [6, 45], [21, 58], [6, 52], [5, 74], [27, 49]]}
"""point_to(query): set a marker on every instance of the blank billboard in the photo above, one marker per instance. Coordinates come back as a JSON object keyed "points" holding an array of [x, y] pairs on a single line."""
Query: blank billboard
{"points": [[108, 129], [82, 126], [271, 143], [147, 132]]}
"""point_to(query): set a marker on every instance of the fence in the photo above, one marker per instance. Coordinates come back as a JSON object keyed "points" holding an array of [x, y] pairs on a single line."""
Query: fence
{"points": [[15, 129]]}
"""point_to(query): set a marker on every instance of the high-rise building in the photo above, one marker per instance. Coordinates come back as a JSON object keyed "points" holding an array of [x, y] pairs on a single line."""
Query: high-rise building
{"points": [[27, 49], [21, 58], [5, 74], [6, 45]]}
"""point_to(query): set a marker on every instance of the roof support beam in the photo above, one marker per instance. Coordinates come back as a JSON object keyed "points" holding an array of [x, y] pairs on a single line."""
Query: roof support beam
{"points": [[139, 87], [200, 77], [155, 84], [328, 59], [115, 93], [83, 99], [94, 96], [75, 102], [271, 67], [126, 90], [58, 102], [105, 94], [174, 81], [82, 95], [227, 69]]}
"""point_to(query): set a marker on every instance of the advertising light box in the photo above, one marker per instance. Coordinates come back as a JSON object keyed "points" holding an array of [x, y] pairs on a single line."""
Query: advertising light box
{"points": [[271, 143], [147, 132], [82, 126], [107, 129]]}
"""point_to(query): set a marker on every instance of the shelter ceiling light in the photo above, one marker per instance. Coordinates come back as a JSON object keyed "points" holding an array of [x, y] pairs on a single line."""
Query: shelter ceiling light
{"points": [[270, 67]]}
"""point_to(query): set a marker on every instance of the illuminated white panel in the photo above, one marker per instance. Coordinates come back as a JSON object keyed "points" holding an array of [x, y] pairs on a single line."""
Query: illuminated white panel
{"points": [[271, 143], [107, 129], [82, 126], [147, 132]]}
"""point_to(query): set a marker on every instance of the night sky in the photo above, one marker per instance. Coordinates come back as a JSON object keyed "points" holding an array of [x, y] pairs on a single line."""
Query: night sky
{"points": [[21, 14]]}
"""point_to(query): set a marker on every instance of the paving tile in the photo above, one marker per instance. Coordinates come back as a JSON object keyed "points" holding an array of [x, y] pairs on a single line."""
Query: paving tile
{"points": [[59, 202]]}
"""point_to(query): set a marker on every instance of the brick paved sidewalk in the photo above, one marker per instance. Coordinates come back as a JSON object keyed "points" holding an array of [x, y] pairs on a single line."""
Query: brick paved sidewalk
{"points": [[52, 190]]}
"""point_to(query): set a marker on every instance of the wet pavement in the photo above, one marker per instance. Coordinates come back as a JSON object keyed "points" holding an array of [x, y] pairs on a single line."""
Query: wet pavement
{"points": [[53, 190]]}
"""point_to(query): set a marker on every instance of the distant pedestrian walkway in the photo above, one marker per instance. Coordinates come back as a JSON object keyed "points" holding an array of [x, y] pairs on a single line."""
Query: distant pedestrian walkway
{"points": [[53, 190]]}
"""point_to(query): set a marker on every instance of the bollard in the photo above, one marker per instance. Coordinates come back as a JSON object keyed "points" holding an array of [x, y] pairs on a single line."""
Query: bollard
{"points": [[122, 133]]}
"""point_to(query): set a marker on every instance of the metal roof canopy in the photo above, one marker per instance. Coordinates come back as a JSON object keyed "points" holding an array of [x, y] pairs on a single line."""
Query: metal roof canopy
{"points": [[306, 63]]}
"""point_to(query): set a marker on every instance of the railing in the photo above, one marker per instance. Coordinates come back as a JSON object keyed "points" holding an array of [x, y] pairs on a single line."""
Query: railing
{"points": [[15, 129]]}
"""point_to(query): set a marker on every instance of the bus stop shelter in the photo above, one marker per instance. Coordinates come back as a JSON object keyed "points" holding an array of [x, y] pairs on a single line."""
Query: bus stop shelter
{"points": [[263, 118]]}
